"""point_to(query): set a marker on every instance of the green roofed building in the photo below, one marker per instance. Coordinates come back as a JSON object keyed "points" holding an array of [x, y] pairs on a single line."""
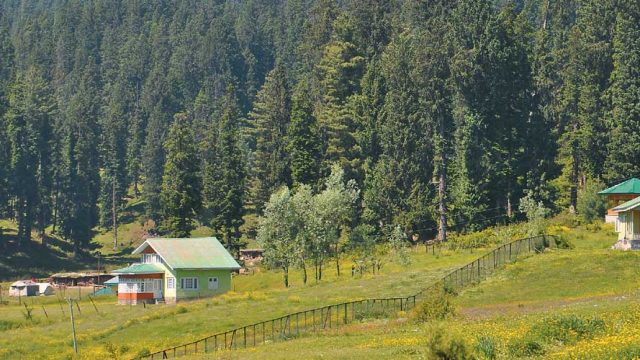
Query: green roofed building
{"points": [[618, 194], [173, 269], [628, 225]]}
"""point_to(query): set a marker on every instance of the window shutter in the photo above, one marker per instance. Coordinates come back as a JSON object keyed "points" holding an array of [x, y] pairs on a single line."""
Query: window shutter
{"points": [[181, 283], [195, 283]]}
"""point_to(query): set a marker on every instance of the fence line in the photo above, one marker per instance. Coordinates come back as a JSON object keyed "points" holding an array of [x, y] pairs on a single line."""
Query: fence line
{"points": [[332, 316]]}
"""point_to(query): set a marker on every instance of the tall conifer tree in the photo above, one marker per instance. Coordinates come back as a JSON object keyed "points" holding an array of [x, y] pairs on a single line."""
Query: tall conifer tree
{"points": [[181, 195]]}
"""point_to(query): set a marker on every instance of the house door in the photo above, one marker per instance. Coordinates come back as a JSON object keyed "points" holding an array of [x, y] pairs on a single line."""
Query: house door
{"points": [[157, 288]]}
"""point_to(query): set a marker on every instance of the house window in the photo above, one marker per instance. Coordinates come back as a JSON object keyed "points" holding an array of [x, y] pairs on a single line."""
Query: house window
{"points": [[171, 283], [189, 283], [213, 283], [151, 259], [142, 286]]}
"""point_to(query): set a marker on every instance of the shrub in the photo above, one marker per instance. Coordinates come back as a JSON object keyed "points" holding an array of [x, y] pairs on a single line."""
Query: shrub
{"points": [[562, 242], [450, 348], [373, 311], [527, 346], [568, 329], [8, 325], [591, 206], [535, 212], [487, 347], [436, 306], [472, 240], [143, 353]]}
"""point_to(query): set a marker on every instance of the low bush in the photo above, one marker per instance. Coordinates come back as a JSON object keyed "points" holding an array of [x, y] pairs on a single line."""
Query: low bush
{"points": [[562, 242], [524, 347], [486, 346], [568, 329], [448, 347], [8, 325], [472, 240], [436, 306]]}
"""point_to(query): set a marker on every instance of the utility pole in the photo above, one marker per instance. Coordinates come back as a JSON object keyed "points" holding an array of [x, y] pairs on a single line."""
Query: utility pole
{"points": [[73, 326]]}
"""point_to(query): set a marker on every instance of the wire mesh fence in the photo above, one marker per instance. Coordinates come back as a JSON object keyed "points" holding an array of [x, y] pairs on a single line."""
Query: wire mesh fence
{"points": [[333, 316]]}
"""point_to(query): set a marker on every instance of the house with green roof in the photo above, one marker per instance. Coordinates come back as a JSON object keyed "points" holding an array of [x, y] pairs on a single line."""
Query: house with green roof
{"points": [[173, 269], [618, 194], [628, 225]]}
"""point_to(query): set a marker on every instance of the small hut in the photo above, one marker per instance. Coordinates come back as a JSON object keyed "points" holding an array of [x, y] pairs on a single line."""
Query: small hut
{"points": [[45, 289], [79, 279], [24, 288]]}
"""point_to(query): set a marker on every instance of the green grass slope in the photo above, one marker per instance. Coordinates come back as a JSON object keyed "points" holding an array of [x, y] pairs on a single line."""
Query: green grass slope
{"points": [[128, 330], [581, 303]]}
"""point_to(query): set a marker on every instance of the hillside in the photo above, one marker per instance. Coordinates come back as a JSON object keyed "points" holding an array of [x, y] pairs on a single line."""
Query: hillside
{"points": [[197, 112], [590, 281], [565, 304]]}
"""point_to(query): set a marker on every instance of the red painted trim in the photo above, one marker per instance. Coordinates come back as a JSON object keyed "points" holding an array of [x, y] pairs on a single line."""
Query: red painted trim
{"points": [[135, 296]]}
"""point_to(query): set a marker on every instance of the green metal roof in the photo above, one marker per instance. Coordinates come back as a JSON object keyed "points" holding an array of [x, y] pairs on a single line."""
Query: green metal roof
{"points": [[140, 269], [629, 205], [113, 281], [191, 253], [631, 186]]}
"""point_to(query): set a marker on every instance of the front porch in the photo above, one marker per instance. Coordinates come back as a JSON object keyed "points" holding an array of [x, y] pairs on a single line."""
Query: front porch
{"points": [[140, 283]]}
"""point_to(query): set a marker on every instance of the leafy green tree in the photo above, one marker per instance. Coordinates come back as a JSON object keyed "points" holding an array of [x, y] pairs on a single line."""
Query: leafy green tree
{"points": [[305, 222], [535, 212], [277, 233], [398, 245], [181, 197], [333, 210], [592, 206]]}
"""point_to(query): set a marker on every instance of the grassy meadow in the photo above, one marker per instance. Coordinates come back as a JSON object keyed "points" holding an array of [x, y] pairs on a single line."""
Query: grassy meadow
{"points": [[124, 331], [581, 303], [575, 303]]}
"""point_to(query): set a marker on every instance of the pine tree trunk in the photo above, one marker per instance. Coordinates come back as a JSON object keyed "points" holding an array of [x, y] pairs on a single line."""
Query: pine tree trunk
{"points": [[114, 215], [442, 188], [337, 261], [304, 271], [574, 183]]}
